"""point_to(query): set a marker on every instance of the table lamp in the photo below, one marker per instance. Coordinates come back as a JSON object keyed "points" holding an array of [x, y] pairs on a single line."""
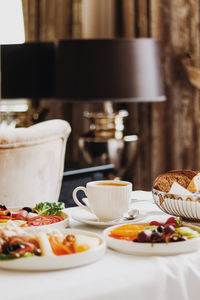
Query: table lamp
{"points": [[109, 71], [90, 71]]}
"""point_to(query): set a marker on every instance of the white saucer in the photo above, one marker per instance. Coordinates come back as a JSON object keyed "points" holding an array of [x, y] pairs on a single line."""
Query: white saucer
{"points": [[82, 216]]}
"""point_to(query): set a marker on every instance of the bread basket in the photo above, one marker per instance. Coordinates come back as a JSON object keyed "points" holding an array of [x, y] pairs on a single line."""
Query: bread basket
{"points": [[187, 207]]}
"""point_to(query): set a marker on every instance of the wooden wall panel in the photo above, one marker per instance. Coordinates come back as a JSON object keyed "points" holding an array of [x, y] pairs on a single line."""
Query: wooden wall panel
{"points": [[158, 141], [181, 36], [144, 110]]}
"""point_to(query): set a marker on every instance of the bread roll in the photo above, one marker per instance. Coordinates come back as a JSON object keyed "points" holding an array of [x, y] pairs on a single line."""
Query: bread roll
{"points": [[164, 181]]}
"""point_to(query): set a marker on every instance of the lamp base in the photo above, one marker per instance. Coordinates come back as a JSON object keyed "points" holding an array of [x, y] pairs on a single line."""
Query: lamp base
{"points": [[105, 143], [120, 152]]}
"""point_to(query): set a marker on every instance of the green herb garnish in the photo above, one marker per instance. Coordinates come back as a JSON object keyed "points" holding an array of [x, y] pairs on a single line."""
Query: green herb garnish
{"points": [[7, 256], [49, 208], [4, 256]]}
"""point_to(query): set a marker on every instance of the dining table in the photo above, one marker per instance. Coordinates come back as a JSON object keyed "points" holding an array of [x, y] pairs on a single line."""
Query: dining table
{"points": [[116, 276]]}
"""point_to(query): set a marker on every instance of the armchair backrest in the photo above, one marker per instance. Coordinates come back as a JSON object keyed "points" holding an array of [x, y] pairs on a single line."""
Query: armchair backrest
{"points": [[32, 163]]}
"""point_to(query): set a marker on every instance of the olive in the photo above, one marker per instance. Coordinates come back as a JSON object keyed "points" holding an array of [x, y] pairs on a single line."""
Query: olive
{"points": [[169, 229], [182, 238], [160, 228], [8, 249], [3, 207], [38, 252], [174, 239], [28, 209]]}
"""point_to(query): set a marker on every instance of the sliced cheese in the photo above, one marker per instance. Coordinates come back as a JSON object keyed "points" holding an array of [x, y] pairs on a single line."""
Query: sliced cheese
{"points": [[194, 185], [45, 246], [92, 242]]}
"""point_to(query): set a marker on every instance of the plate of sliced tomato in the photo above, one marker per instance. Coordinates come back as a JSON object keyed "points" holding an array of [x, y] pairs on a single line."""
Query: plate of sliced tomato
{"points": [[42, 215]]}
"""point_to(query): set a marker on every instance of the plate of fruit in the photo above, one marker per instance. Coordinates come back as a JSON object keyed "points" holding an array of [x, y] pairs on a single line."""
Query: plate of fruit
{"points": [[41, 215], [170, 238]]}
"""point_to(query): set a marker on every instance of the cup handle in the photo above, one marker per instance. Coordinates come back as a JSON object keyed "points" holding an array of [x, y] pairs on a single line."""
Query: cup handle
{"points": [[80, 188]]}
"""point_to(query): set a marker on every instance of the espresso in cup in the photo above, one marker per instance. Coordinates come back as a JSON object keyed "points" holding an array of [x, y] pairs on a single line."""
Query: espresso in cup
{"points": [[107, 199]]}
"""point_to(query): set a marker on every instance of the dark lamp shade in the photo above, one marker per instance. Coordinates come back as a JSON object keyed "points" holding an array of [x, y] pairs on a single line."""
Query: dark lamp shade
{"points": [[111, 69], [28, 70], [84, 70]]}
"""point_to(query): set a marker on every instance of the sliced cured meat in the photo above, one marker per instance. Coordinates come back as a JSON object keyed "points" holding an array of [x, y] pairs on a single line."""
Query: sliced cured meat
{"points": [[43, 220]]}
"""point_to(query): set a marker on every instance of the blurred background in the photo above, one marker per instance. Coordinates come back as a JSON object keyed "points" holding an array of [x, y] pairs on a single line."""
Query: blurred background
{"points": [[169, 132]]}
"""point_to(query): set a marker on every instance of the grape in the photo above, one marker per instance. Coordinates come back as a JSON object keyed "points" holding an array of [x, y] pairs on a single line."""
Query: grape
{"points": [[156, 236], [171, 220], [154, 223], [143, 237], [173, 224], [169, 229]]}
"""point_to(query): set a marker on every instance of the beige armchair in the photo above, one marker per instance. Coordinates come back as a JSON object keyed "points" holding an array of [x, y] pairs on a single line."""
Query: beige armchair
{"points": [[32, 163]]}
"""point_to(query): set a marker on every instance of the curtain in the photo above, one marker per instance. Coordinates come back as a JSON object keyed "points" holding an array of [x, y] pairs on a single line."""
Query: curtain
{"points": [[51, 20]]}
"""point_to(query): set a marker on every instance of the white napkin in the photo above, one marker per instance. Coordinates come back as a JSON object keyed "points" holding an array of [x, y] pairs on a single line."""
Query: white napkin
{"points": [[179, 190], [142, 196], [143, 201]]}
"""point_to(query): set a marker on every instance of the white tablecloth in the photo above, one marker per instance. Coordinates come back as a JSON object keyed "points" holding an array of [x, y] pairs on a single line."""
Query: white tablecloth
{"points": [[115, 276]]}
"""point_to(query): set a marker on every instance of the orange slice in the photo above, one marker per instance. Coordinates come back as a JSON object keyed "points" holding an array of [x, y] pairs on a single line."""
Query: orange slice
{"points": [[128, 230]]}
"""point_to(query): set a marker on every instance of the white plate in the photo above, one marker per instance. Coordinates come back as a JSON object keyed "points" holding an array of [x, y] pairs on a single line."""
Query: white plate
{"points": [[85, 217], [47, 263], [147, 249], [59, 225]]}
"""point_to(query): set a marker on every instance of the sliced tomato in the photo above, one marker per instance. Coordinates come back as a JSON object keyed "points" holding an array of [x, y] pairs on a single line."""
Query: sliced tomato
{"points": [[43, 220], [7, 217], [23, 213], [18, 216]]}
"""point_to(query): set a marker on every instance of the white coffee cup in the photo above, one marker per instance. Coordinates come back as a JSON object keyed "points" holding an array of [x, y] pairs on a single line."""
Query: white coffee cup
{"points": [[107, 199]]}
